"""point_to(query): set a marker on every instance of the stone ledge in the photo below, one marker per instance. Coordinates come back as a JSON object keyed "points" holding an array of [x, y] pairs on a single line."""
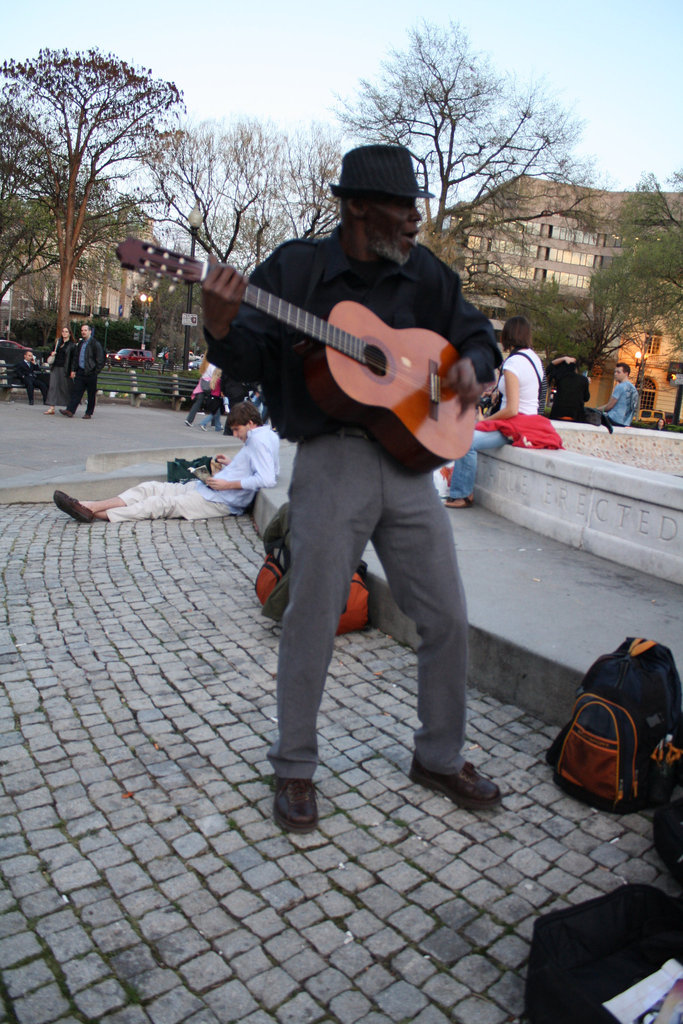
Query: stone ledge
{"points": [[620, 513]]}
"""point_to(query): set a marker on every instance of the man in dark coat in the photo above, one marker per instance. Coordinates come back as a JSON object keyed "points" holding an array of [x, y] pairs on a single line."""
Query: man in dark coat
{"points": [[346, 488], [87, 359], [27, 373]]}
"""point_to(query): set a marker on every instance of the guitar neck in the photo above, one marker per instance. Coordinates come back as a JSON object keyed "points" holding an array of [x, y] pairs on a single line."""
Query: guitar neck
{"points": [[306, 323], [146, 257], [292, 316]]}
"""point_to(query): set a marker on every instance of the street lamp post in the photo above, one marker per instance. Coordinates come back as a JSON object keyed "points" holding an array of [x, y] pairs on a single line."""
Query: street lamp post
{"points": [[145, 300], [194, 220], [640, 365]]}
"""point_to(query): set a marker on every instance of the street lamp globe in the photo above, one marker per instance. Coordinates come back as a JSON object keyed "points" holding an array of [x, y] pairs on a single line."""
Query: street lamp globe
{"points": [[194, 218]]}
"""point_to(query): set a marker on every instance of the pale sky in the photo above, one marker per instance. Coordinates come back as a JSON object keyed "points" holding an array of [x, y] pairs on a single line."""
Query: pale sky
{"points": [[614, 63]]}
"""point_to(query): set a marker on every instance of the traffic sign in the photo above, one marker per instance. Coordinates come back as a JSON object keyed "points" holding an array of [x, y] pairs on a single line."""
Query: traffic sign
{"points": [[189, 319]]}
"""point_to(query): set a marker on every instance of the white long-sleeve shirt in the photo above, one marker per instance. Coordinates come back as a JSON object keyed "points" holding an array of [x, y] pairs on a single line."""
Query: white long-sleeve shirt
{"points": [[256, 465]]}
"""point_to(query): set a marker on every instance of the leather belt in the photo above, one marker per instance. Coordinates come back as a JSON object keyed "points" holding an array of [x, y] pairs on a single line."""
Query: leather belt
{"points": [[354, 432], [342, 432]]}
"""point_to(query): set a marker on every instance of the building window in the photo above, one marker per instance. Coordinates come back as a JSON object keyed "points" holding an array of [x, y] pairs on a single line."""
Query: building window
{"points": [[77, 297], [579, 259], [569, 280], [575, 235], [652, 344], [648, 397]]}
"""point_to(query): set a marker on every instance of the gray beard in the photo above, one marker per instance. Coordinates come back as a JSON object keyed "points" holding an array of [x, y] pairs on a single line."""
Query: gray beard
{"points": [[388, 250]]}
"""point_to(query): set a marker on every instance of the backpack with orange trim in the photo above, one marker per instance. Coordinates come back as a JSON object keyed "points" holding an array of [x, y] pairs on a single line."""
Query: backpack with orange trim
{"points": [[619, 751], [272, 580]]}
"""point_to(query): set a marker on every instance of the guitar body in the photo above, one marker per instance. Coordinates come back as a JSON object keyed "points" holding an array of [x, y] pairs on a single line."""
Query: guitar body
{"points": [[391, 391]]}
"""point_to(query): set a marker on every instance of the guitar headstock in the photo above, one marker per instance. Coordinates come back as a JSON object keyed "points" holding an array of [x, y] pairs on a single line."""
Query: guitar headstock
{"points": [[146, 258]]}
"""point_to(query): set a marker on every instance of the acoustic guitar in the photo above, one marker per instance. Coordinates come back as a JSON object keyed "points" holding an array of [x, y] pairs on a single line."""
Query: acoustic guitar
{"points": [[391, 382]]}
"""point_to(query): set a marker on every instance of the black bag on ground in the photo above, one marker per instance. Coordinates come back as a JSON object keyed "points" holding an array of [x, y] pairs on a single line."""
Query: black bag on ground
{"points": [[584, 955], [667, 830], [618, 752], [178, 471]]}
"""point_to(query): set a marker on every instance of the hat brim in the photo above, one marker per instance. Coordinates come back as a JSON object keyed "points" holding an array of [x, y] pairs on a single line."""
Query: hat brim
{"points": [[348, 193]]}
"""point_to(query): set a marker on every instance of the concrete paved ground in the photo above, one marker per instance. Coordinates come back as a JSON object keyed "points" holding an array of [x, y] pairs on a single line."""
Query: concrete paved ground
{"points": [[540, 611], [141, 876]]}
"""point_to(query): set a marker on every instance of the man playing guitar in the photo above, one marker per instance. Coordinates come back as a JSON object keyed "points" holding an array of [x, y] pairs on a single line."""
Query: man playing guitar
{"points": [[346, 487]]}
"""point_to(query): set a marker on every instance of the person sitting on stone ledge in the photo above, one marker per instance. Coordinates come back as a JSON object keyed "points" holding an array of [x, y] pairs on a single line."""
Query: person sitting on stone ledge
{"points": [[517, 422], [572, 391], [229, 492]]}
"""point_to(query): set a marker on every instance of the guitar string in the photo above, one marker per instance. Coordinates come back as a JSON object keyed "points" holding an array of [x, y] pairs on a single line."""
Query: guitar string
{"points": [[309, 324]]}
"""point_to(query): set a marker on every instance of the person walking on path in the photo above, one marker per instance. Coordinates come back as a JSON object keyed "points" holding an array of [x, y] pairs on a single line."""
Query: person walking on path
{"points": [[86, 361], [59, 390], [212, 405], [345, 488], [204, 387], [229, 492]]}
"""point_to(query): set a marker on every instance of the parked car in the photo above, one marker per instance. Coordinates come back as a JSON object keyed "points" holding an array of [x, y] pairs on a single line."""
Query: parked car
{"points": [[12, 352], [132, 357]]}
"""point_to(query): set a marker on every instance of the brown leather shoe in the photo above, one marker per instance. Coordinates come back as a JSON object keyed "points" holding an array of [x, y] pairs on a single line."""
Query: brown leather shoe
{"points": [[294, 808], [65, 412], [87, 417], [72, 507], [466, 787]]}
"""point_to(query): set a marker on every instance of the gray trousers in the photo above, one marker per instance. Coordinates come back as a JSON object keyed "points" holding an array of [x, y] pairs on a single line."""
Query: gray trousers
{"points": [[345, 491]]}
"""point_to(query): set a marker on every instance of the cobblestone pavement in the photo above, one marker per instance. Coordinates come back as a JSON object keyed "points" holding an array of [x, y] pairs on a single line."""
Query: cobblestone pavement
{"points": [[141, 876]]}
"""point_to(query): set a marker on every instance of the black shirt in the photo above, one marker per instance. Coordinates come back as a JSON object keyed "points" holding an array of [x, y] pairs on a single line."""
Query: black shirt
{"points": [[572, 392], [316, 275]]}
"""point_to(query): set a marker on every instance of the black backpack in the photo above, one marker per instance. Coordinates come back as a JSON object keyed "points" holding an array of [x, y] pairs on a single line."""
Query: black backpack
{"points": [[619, 750], [584, 955]]}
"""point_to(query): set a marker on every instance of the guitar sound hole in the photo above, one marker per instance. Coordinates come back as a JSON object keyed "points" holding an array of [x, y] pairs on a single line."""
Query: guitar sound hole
{"points": [[375, 360]]}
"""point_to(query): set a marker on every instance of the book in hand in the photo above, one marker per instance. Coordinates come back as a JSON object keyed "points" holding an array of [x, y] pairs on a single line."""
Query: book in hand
{"points": [[657, 999], [201, 472]]}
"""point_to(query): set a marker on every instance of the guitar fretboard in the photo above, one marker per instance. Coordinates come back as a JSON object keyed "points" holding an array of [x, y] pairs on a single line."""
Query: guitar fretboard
{"points": [[309, 325]]}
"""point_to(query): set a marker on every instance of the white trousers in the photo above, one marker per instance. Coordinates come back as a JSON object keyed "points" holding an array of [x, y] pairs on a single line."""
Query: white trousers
{"points": [[155, 499]]}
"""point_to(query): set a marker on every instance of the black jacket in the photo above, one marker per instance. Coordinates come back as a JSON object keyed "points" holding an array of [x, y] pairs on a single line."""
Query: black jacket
{"points": [[315, 276], [94, 357]]}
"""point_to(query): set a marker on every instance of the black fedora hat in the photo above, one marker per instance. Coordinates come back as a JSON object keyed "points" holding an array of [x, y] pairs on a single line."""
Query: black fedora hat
{"points": [[384, 169]]}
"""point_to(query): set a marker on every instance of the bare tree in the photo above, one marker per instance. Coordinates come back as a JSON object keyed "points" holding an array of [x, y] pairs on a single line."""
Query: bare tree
{"points": [[254, 186], [474, 132], [88, 119]]}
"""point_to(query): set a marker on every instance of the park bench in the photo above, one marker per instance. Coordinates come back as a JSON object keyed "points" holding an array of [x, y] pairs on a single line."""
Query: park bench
{"points": [[139, 385], [9, 382], [134, 384]]}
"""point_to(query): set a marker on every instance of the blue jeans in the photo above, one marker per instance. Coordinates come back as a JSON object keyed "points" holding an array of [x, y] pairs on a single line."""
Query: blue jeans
{"points": [[215, 418], [465, 469]]}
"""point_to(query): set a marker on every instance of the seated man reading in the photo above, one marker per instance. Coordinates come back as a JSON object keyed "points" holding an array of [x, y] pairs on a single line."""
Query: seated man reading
{"points": [[229, 492]]}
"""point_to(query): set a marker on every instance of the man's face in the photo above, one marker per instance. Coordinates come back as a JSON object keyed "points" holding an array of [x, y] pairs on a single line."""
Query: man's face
{"points": [[391, 227], [29, 357], [241, 430], [620, 374], [85, 332]]}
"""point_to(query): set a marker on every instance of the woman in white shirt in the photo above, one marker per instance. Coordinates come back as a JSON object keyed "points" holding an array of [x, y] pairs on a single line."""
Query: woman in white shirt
{"points": [[520, 386]]}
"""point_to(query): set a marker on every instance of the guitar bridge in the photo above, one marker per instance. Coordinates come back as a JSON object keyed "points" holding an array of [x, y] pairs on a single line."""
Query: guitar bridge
{"points": [[434, 390]]}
